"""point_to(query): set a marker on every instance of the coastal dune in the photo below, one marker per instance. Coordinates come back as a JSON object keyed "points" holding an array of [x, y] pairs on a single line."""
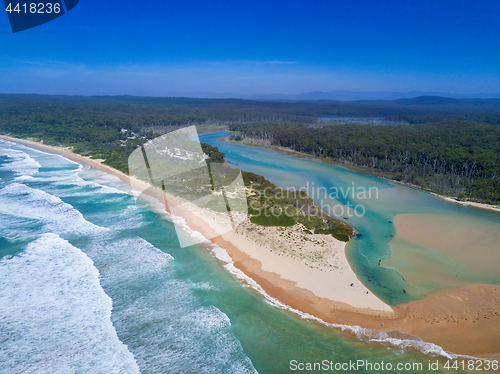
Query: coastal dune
{"points": [[329, 277], [462, 321]]}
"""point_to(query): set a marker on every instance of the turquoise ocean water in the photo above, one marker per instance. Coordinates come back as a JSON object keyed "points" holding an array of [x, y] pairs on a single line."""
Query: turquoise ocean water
{"points": [[91, 282]]}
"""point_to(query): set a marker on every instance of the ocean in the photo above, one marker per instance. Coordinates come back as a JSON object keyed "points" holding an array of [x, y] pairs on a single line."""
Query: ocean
{"points": [[93, 282]]}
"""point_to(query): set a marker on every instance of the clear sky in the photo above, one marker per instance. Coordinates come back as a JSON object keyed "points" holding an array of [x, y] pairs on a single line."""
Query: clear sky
{"points": [[161, 47]]}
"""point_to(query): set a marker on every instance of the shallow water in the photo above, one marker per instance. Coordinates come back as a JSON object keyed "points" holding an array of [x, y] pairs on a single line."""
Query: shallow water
{"points": [[380, 261], [93, 282]]}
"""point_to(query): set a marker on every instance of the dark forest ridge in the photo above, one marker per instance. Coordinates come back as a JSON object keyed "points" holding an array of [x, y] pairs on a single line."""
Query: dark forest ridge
{"points": [[454, 158], [227, 108], [445, 145]]}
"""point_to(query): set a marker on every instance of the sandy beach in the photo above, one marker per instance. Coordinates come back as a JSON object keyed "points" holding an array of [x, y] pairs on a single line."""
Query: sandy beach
{"points": [[469, 203], [462, 320]]}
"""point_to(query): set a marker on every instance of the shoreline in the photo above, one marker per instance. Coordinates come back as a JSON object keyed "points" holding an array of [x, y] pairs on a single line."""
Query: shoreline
{"points": [[361, 169], [443, 318]]}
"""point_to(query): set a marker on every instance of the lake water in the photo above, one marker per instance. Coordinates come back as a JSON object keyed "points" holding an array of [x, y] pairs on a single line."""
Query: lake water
{"points": [[364, 120]]}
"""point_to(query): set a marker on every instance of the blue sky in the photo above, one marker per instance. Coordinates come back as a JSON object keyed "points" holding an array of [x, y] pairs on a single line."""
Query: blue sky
{"points": [[256, 47]]}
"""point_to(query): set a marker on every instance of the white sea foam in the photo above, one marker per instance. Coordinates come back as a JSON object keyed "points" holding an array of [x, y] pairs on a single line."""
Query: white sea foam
{"points": [[360, 333], [42, 157], [19, 162], [156, 315], [128, 217], [225, 353], [129, 257], [23, 164], [165, 326], [95, 183], [19, 200], [55, 317], [54, 205], [73, 178]]}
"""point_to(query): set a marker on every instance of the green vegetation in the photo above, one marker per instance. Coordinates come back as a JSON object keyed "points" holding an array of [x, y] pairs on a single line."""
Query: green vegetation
{"points": [[447, 146], [268, 219], [270, 205], [481, 117], [458, 158], [212, 152]]}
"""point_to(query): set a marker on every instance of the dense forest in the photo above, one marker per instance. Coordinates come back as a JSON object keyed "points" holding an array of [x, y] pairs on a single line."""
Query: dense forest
{"points": [[449, 146], [458, 158], [492, 118]]}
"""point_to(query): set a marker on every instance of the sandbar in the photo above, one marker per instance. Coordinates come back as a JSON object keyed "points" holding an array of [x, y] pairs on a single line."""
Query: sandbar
{"points": [[463, 320]]}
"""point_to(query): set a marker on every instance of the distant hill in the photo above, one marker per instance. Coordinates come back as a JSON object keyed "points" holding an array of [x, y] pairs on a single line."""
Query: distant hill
{"points": [[329, 95], [370, 95], [447, 104]]}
